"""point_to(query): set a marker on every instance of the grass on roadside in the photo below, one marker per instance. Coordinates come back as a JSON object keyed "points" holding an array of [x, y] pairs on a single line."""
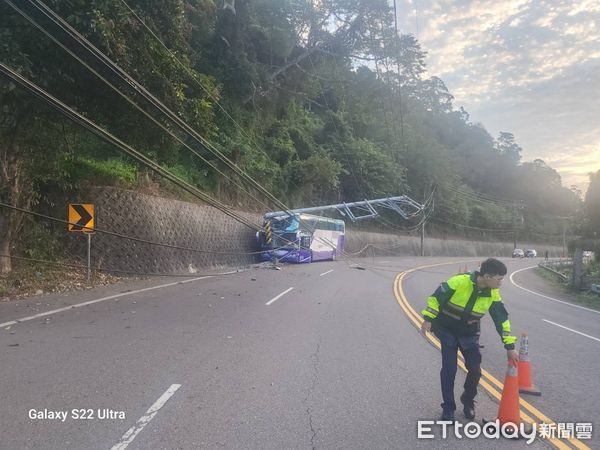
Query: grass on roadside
{"points": [[27, 279], [587, 299]]}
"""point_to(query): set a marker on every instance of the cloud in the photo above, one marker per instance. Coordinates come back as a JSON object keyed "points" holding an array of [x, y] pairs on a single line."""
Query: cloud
{"points": [[577, 160], [524, 66]]}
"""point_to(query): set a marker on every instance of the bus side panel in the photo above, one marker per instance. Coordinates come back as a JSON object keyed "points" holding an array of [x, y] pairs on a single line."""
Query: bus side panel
{"points": [[324, 244], [303, 255]]}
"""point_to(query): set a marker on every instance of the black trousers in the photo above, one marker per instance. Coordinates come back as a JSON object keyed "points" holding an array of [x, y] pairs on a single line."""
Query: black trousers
{"points": [[469, 347]]}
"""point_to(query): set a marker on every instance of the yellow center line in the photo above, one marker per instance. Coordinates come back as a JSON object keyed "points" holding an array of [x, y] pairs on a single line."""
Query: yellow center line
{"points": [[487, 378]]}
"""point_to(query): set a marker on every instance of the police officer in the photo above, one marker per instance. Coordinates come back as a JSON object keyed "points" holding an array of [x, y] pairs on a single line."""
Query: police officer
{"points": [[453, 313]]}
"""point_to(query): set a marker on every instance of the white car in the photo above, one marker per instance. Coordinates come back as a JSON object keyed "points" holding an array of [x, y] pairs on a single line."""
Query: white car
{"points": [[518, 253], [530, 253]]}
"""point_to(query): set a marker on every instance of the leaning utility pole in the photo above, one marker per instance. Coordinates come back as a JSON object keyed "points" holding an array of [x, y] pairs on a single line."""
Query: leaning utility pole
{"points": [[355, 211]]}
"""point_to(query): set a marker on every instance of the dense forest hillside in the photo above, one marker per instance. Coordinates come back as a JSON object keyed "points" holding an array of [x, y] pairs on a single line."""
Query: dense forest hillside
{"points": [[314, 102]]}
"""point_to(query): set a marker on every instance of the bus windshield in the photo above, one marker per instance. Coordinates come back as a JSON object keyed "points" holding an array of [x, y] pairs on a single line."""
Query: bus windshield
{"points": [[288, 224]]}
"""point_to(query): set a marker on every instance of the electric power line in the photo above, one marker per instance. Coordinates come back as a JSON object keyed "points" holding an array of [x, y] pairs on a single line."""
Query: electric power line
{"points": [[473, 228], [123, 236], [103, 134], [481, 197], [194, 77], [105, 60], [125, 272], [98, 131], [130, 101], [449, 211], [83, 42], [111, 65]]}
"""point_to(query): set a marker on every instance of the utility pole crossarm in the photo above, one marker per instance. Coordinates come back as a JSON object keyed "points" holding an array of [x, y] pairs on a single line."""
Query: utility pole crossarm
{"points": [[403, 205]]}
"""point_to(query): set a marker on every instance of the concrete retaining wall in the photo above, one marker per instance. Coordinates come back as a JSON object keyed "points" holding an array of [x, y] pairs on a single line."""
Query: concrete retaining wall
{"points": [[204, 228], [165, 221], [390, 244]]}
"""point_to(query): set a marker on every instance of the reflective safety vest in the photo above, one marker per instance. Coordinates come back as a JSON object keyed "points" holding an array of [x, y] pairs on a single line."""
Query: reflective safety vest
{"points": [[458, 305]]}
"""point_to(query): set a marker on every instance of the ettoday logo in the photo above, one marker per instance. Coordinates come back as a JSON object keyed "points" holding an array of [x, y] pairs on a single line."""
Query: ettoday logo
{"points": [[473, 430]]}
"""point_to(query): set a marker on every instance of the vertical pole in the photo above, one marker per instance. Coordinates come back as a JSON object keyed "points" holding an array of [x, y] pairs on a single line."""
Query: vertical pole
{"points": [[577, 267], [564, 237], [515, 224], [423, 226], [89, 258], [422, 239]]}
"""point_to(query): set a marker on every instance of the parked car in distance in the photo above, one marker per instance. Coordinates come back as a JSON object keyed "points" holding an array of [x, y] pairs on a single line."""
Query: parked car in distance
{"points": [[530, 253], [518, 253]]}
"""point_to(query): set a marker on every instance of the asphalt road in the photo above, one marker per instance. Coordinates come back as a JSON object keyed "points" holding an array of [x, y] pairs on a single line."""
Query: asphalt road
{"points": [[230, 362]]}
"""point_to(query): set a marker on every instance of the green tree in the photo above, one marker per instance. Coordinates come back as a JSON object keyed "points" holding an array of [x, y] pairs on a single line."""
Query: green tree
{"points": [[506, 145], [27, 128]]}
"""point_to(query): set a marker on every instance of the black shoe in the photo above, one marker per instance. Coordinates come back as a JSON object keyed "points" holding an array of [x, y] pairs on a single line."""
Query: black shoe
{"points": [[447, 415], [468, 408]]}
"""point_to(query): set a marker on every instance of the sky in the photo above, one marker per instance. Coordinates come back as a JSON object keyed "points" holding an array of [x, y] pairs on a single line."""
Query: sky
{"points": [[529, 67]]}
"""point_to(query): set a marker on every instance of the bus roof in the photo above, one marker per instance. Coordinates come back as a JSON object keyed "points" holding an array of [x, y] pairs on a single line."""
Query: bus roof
{"points": [[304, 216]]}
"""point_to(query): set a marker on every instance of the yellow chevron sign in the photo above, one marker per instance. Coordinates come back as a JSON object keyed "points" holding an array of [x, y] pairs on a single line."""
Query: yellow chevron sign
{"points": [[81, 217]]}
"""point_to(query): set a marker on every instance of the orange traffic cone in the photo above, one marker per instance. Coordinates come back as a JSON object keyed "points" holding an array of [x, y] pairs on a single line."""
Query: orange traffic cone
{"points": [[509, 416], [525, 384], [508, 412]]}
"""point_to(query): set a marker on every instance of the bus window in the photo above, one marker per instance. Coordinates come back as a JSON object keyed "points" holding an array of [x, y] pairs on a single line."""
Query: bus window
{"points": [[309, 224], [285, 224], [305, 241]]}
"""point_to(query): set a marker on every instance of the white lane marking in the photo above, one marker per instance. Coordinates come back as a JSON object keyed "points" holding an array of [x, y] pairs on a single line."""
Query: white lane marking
{"points": [[279, 296], [574, 331], [325, 273], [545, 296], [130, 435], [79, 305]]}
